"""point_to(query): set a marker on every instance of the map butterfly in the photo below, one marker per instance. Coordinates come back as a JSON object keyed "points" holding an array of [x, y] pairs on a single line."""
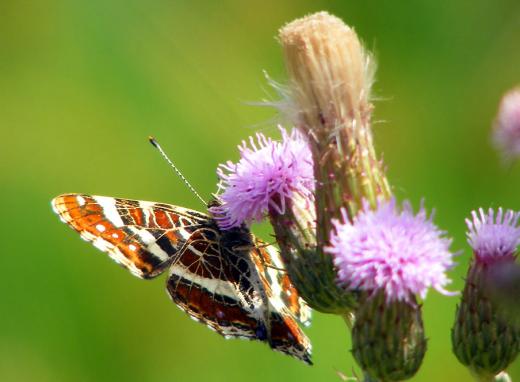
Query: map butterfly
{"points": [[229, 280]]}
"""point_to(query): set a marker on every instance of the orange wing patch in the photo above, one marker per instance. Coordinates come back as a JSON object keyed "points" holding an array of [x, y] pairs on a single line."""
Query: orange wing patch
{"points": [[135, 234]]}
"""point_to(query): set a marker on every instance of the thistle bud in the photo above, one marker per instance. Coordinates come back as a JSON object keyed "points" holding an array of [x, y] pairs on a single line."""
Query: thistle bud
{"points": [[388, 339], [483, 337]]}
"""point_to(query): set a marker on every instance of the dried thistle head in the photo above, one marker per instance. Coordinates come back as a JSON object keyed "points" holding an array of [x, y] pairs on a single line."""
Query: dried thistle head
{"points": [[330, 76]]}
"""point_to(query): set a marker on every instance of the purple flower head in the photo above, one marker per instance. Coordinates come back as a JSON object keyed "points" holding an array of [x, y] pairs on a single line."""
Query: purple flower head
{"points": [[391, 249], [493, 237], [506, 132], [268, 173]]}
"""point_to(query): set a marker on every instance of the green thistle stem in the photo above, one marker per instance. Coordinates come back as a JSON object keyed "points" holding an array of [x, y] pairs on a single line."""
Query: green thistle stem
{"points": [[347, 172]]}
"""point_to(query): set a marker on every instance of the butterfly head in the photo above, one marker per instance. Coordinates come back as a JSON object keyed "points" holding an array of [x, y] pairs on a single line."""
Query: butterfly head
{"points": [[214, 202], [233, 237]]}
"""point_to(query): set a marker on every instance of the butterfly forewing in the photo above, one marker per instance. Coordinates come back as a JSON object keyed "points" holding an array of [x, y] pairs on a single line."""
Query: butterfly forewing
{"points": [[141, 236]]}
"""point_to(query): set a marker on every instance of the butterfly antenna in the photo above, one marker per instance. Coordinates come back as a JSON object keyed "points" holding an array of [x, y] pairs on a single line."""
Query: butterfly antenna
{"points": [[158, 147]]}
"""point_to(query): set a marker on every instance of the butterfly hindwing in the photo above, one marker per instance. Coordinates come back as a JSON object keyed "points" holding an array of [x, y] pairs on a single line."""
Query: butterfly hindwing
{"points": [[141, 236], [206, 284], [271, 267], [220, 279], [284, 303]]}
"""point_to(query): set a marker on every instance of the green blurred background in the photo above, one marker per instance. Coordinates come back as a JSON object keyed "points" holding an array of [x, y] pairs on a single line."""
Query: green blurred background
{"points": [[82, 84]]}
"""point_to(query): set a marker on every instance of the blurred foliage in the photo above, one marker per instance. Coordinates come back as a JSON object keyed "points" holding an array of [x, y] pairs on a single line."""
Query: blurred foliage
{"points": [[83, 83]]}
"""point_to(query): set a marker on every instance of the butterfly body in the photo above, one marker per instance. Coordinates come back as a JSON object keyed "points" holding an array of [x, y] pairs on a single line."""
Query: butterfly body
{"points": [[228, 280]]}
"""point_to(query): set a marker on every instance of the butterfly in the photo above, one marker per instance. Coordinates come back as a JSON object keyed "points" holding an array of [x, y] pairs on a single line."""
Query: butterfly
{"points": [[229, 280]]}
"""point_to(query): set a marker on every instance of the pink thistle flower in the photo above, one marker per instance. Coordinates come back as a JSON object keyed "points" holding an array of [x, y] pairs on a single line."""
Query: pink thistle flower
{"points": [[391, 249], [493, 237], [266, 176], [506, 132]]}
